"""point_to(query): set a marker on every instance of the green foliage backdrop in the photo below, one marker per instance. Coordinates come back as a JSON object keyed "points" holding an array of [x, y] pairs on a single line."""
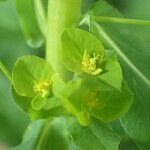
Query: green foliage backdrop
{"points": [[131, 42]]}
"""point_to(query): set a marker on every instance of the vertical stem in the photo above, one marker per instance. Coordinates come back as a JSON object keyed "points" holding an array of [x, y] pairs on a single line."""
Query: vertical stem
{"points": [[61, 15]]}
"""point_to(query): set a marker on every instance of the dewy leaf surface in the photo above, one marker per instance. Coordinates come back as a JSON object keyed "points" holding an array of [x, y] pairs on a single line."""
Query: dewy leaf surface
{"points": [[134, 55]]}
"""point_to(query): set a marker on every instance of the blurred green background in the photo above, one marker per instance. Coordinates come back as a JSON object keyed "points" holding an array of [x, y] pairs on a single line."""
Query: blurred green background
{"points": [[13, 121], [12, 45]]}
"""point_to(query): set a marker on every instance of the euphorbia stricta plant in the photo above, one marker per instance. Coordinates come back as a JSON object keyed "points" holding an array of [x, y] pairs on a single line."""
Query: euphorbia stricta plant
{"points": [[80, 80]]}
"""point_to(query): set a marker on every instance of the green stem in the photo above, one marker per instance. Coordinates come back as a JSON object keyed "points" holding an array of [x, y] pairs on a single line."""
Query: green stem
{"points": [[5, 71], [121, 20], [61, 15]]}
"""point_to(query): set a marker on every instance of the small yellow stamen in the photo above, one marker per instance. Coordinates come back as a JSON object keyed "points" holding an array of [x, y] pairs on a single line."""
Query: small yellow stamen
{"points": [[92, 101], [43, 87], [89, 64]]}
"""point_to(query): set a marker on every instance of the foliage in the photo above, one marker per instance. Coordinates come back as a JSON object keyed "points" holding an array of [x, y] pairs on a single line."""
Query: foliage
{"points": [[83, 94]]}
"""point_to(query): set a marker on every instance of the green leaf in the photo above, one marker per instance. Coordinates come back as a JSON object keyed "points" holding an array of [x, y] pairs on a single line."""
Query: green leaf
{"points": [[74, 43], [83, 137], [97, 136], [128, 144], [134, 55], [40, 11], [28, 22], [110, 55], [105, 134], [55, 136], [48, 134], [31, 136], [26, 71]]}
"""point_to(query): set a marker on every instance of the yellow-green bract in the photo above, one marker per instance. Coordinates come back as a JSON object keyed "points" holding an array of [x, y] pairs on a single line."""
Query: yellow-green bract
{"points": [[36, 86], [89, 101], [83, 53]]}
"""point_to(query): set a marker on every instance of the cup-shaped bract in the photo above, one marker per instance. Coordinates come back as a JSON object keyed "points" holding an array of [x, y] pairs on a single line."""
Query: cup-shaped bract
{"points": [[77, 44], [36, 84], [105, 105]]}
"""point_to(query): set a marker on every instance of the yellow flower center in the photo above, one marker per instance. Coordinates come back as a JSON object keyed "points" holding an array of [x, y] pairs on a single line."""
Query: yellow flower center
{"points": [[92, 101], [89, 65], [43, 87]]}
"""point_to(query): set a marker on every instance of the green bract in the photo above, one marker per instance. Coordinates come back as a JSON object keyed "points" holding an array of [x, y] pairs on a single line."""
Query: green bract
{"points": [[36, 85], [80, 47], [83, 102], [99, 93], [30, 71], [112, 73], [83, 53]]}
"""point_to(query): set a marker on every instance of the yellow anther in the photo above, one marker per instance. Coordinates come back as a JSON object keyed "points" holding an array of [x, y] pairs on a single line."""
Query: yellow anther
{"points": [[89, 64], [92, 101], [43, 87]]}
